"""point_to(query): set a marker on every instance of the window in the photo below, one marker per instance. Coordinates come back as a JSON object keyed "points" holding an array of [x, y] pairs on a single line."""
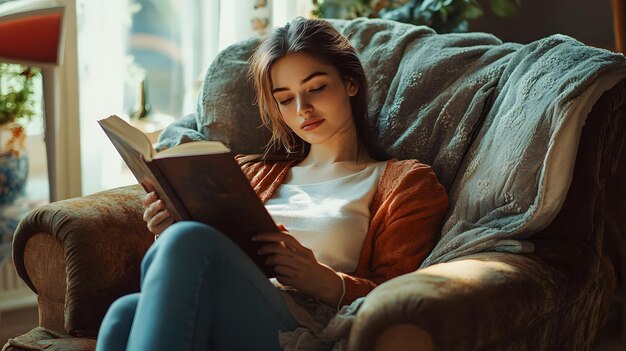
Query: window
{"points": [[170, 43]]}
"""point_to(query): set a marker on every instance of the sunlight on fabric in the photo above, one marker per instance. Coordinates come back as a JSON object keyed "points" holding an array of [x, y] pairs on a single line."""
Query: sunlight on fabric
{"points": [[468, 269]]}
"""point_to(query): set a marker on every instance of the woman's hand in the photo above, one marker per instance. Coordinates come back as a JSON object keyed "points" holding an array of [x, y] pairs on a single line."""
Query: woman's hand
{"points": [[296, 266], [155, 214]]}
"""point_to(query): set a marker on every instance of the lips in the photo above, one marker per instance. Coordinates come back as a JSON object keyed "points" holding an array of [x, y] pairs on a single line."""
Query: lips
{"points": [[311, 124]]}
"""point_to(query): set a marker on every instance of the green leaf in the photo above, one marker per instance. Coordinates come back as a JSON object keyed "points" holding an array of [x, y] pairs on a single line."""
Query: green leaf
{"points": [[473, 11], [504, 8], [16, 92], [425, 5]]}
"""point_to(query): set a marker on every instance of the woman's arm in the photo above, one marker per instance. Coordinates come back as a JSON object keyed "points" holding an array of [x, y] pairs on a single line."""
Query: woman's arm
{"points": [[296, 266], [406, 220]]}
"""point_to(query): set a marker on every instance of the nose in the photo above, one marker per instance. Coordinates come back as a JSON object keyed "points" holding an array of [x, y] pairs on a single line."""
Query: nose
{"points": [[304, 107]]}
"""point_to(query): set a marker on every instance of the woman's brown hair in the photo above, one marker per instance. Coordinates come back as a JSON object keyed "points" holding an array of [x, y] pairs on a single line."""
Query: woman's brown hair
{"points": [[320, 40]]}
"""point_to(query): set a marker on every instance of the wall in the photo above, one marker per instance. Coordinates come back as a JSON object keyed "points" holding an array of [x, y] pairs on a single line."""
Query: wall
{"points": [[588, 21]]}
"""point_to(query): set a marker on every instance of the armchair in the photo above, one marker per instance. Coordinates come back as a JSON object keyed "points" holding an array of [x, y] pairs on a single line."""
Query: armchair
{"points": [[80, 254]]}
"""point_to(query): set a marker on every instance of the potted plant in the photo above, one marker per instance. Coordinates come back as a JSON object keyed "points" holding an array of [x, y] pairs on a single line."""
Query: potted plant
{"points": [[18, 105], [444, 16]]}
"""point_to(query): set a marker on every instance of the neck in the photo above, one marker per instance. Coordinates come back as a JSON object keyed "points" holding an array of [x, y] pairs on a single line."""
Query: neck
{"points": [[344, 147]]}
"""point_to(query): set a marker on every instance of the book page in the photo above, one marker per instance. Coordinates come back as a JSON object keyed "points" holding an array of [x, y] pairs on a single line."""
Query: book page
{"points": [[135, 148], [120, 131], [194, 148]]}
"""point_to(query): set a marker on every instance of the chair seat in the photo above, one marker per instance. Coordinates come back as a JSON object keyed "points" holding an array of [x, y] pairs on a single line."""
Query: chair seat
{"points": [[43, 339]]}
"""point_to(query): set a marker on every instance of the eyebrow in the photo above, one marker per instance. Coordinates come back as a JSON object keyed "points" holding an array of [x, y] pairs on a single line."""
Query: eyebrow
{"points": [[308, 78]]}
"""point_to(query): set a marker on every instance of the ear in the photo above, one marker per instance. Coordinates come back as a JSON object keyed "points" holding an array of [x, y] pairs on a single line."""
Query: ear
{"points": [[353, 88]]}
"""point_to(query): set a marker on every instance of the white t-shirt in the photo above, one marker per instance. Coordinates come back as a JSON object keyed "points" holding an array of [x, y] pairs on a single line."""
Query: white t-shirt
{"points": [[332, 217]]}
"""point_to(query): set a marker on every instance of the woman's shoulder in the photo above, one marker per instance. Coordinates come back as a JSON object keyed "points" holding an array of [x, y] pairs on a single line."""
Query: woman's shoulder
{"points": [[407, 174], [244, 159], [256, 164], [408, 167], [260, 159]]}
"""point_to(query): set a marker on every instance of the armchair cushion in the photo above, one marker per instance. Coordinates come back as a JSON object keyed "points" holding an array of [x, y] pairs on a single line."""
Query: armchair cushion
{"points": [[44, 339]]}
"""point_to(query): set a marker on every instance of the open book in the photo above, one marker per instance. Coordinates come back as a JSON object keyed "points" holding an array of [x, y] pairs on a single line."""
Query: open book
{"points": [[199, 181]]}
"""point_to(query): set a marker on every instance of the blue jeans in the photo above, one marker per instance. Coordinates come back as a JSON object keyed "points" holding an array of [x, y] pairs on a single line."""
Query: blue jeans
{"points": [[199, 291]]}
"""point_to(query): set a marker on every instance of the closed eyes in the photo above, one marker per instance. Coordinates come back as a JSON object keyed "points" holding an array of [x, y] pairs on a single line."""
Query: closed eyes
{"points": [[316, 90]]}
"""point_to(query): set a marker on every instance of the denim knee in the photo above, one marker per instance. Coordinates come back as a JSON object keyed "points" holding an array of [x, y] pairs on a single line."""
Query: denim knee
{"points": [[121, 313], [188, 238]]}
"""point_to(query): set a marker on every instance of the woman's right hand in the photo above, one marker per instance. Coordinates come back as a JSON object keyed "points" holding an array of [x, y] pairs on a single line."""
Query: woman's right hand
{"points": [[156, 216]]}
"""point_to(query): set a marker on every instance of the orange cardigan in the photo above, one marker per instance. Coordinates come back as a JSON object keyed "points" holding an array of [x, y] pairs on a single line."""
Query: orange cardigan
{"points": [[406, 213]]}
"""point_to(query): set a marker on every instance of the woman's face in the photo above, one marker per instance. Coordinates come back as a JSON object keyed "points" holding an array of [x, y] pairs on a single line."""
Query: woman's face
{"points": [[314, 100]]}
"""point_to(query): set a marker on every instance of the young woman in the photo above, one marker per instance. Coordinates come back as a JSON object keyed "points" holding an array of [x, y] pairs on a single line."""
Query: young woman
{"points": [[348, 222]]}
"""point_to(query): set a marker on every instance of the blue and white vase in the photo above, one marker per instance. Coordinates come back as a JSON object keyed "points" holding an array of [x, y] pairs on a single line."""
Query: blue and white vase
{"points": [[13, 174], [13, 171]]}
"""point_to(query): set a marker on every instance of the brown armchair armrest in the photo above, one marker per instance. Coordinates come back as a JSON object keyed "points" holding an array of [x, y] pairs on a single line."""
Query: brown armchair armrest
{"points": [[489, 301], [81, 254]]}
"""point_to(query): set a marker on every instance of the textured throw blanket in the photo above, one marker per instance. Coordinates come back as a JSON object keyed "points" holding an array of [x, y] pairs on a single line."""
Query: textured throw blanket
{"points": [[489, 117], [499, 123]]}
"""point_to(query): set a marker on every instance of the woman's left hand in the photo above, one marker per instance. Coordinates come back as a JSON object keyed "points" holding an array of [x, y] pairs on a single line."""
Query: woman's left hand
{"points": [[296, 266]]}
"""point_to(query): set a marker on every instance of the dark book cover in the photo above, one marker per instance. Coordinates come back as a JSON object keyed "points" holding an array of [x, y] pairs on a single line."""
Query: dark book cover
{"points": [[213, 190], [206, 187]]}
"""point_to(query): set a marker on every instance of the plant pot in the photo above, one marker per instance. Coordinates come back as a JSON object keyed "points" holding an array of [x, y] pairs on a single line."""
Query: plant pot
{"points": [[13, 175], [13, 163]]}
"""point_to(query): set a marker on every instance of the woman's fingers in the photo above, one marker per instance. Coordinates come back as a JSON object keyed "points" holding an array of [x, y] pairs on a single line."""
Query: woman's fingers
{"points": [[276, 248], [159, 228], [153, 209], [160, 217], [155, 214], [149, 198], [285, 274], [278, 237], [159, 222], [284, 260]]}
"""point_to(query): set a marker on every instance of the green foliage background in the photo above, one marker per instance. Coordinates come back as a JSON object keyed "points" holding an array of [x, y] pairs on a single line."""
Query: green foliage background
{"points": [[445, 16], [17, 103]]}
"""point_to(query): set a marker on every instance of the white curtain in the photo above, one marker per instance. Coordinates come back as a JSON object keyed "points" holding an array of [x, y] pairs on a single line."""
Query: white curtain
{"points": [[199, 29], [102, 29]]}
